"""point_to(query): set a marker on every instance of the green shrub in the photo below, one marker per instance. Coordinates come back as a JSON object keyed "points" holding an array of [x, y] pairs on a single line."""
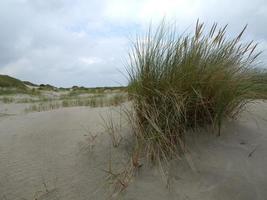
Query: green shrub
{"points": [[183, 82]]}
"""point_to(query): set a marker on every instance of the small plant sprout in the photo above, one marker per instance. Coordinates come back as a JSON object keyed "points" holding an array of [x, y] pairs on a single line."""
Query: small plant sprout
{"points": [[113, 129]]}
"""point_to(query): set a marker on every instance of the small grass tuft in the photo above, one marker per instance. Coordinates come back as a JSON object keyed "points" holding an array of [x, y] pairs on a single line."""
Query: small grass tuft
{"points": [[113, 129], [6, 99]]}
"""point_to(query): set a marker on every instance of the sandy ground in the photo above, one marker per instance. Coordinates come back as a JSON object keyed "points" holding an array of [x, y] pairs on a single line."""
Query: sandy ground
{"points": [[61, 154], [12, 108]]}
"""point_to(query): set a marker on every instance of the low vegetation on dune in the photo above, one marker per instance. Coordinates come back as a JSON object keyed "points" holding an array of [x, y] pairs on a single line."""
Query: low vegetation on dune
{"points": [[10, 82], [47, 97], [261, 78], [90, 101], [190, 81], [10, 85], [30, 84]]}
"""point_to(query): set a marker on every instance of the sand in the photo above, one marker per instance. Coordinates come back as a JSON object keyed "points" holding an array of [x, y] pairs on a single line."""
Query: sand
{"points": [[62, 154]]}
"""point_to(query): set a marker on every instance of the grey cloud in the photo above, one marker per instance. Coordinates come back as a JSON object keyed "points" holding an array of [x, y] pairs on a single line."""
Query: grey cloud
{"points": [[65, 42], [46, 5]]}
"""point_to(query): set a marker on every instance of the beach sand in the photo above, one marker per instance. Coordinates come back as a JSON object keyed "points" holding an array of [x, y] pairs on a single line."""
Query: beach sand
{"points": [[62, 154]]}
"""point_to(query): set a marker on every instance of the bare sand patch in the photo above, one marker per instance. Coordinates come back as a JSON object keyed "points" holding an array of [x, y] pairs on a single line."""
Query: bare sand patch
{"points": [[62, 154]]}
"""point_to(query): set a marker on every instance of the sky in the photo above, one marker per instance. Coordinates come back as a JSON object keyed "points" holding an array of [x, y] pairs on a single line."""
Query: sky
{"points": [[86, 42]]}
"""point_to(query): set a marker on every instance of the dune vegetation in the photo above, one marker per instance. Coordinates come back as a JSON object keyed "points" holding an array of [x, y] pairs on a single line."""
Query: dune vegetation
{"points": [[45, 97], [185, 82], [103, 100], [7, 81], [10, 85]]}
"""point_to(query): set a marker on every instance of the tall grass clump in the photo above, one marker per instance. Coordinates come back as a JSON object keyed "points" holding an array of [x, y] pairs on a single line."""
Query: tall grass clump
{"points": [[189, 81]]}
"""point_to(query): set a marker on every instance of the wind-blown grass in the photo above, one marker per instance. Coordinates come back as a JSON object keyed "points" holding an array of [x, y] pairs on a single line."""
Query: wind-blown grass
{"points": [[91, 101], [183, 82], [7, 99]]}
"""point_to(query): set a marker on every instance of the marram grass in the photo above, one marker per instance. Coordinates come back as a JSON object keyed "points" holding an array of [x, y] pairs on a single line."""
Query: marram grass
{"points": [[183, 82]]}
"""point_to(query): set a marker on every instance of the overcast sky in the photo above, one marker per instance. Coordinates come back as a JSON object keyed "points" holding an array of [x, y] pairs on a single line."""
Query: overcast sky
{"points": [[85, 42]]}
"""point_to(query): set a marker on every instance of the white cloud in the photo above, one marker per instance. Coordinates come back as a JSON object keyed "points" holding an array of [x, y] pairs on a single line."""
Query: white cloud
{"points": [[90, 60]]}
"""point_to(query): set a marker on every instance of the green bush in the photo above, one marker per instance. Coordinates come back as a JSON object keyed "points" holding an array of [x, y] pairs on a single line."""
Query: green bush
{"points": [[184, 82]]}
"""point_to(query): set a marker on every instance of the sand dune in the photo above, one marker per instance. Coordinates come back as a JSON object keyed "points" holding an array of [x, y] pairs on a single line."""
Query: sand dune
{"points": [[51, 155]]}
